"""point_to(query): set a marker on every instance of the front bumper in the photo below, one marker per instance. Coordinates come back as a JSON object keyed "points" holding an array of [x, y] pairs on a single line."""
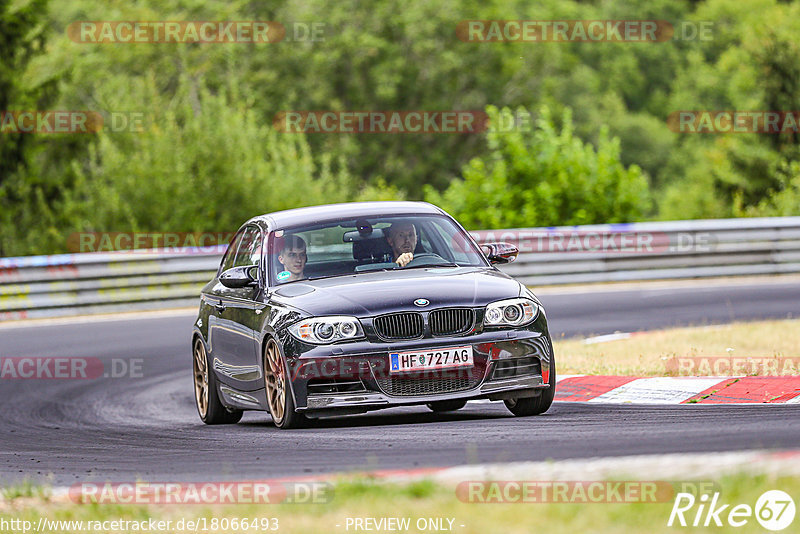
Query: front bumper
{"points": [[506, 364], [517, 387]]}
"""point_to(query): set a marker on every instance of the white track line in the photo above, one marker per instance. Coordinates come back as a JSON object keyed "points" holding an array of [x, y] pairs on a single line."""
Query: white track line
{"points": [[658, 390], [100, 318]]}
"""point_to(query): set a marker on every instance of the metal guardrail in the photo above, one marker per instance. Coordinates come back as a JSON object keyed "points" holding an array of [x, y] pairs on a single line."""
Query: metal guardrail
{"points": [[655, 251], [71, 284]]}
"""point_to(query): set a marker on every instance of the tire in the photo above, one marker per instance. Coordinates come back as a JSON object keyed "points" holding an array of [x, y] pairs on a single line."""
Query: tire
{"points": [[446, 406], [206, 391], [280, 400], [535, 405]]}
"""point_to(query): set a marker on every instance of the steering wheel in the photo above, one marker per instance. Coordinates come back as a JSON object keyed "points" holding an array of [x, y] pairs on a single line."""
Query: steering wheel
{"points": [[426, 257]]}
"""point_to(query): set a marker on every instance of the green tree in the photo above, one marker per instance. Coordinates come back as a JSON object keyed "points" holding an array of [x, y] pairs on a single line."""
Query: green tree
{"points": [[22, 37], [407, 56], [752, 64], [545, 177], [203, 163], [783, 202]]}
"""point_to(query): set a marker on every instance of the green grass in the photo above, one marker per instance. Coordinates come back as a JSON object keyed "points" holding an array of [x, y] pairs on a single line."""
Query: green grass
{"points": [[423, 499], [24, 489], [649, 353]]}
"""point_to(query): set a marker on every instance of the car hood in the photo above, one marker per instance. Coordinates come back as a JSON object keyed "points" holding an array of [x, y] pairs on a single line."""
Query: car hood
{"points": [[368, 294]]}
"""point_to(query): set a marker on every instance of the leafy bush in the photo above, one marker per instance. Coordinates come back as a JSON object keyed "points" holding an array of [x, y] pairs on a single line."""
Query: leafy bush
{"points": [[786, 200], [208, 156], [207, 166], [203, 163], [751, 64], [545, 177]]}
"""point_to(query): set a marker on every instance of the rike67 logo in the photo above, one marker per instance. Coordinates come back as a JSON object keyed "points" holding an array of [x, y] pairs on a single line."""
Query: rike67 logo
{"points": [[774, 510]]}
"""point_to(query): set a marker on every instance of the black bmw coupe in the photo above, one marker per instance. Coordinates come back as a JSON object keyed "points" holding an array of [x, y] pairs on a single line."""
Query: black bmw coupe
{"points": [[340, 309]]}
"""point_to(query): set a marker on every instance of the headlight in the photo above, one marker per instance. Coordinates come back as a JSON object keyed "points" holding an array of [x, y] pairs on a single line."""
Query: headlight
{"points": [[511, 312], [324, 330]]}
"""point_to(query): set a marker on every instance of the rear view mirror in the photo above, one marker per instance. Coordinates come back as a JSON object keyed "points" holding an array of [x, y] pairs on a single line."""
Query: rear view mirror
{"points": [[500, 252], [237, 277]]}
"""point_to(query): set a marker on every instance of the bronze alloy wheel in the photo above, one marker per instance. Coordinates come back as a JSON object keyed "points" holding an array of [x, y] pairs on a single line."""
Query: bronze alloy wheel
{"points": [[200, 378], [275, 378], [280, 400], [206, 391]]}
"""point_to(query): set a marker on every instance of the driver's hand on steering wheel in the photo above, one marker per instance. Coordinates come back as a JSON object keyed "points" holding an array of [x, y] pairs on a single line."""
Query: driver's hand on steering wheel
{"points": [[404, 258]]}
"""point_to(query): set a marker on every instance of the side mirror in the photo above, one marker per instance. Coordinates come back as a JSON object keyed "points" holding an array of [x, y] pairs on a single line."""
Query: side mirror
{"points": [[500, 252], [237, 277]]}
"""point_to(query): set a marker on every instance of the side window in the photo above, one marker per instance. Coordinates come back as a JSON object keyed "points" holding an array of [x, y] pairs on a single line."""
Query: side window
{"points": [[230, 254], [424, 241], [249, 251], [453, 249], [255, 253]]}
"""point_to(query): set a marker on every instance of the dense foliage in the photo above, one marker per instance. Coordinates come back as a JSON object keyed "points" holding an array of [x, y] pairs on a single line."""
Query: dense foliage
{"points": [[545, 177], [599, 148]]}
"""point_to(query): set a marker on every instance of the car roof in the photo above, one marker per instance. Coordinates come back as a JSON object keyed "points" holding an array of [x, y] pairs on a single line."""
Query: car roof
{"points": [[314, 214]]}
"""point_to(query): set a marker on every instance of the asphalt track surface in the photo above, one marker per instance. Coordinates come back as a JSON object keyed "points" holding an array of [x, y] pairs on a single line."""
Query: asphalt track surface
{"points": [[124, 429]]}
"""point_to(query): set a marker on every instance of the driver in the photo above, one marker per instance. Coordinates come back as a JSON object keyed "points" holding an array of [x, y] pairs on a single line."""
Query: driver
{"points": [[293, 258], [402, 238]]}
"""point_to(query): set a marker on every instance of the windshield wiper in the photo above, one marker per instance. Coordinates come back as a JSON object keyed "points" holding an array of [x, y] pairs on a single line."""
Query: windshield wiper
{"points": [[428, 265], [322, 277]]}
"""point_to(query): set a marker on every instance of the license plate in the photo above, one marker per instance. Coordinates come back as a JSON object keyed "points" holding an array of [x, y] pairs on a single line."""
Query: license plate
{"points": [[430, 359]]}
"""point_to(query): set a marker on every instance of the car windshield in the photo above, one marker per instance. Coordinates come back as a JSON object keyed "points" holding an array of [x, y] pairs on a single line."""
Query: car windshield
{"points": [[348, 247]]}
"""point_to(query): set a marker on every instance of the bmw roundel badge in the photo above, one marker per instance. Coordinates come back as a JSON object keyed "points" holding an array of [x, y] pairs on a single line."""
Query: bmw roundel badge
{"points": [[422, 302]]}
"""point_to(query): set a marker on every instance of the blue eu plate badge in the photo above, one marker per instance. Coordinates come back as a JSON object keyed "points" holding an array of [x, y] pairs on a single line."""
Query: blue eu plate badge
{"points": [[395, 363]]}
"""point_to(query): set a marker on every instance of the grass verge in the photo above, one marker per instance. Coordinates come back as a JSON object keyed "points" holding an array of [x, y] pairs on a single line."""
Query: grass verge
{"points": [[649, 353], [419, 500]]}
